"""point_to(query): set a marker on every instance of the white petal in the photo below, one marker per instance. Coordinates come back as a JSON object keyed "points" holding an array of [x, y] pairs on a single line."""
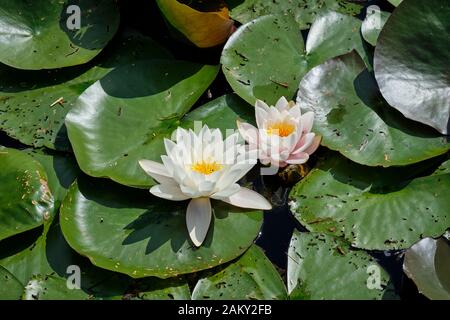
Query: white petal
{"points": [[198, 219], [282, 104], [235, 173], [295, 112], [174, 169], [274, 114], [261, 114], [182, 135], [157, 171], [153, 167], [169, 192], [248, 132], [191, 192], [232, 189], [169, 145], [246, 198], [206, 187], [261, 104]]}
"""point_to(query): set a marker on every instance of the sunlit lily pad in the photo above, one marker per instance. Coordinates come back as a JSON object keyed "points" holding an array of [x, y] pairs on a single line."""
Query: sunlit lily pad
{"points": [[353, 118], [373, 23], [304, 12], [130, 231], [25, 198], [33, 104], [427, 264], [266, 58], [35, 34], [323, 267], [250, 277], [374, 208], [411, 62], [51, 288], [61, 170]]}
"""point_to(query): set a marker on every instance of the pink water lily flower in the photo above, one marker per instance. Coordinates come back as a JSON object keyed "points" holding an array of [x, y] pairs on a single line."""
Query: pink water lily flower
{"points": [[283, 135], [203, 166]]}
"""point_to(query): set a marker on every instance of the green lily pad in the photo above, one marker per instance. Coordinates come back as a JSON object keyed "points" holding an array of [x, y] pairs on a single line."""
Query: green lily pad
{"points": [[51, 288], [266, 58], [373, 23], [325, 267], [10, 287], [374, 208], [42, 265], [160, 289], [25, 198], [61, 169], [250, 277], [34, 104], [304, 12], [49, 255], [427, 264], [55, 288], [128, 230], [35, 34], [101, 148], [411, 62], [353, 118]]}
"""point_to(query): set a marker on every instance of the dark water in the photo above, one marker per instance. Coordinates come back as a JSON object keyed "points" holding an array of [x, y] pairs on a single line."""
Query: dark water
{"points": [[279, 223]]}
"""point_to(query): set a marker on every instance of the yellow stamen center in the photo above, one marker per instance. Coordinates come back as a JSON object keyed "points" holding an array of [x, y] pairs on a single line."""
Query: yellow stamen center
{"points": [[206, 167], [282, 129]]}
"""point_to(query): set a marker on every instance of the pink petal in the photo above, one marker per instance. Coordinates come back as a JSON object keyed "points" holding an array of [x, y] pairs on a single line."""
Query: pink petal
{"points": [[307, 120], [304, 142], [298, 158], [314, 145]]}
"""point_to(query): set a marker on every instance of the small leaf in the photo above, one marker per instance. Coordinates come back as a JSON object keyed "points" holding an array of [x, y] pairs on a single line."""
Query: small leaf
{"points": [[373, 23], [25, 198], [204, 27], [427, 264]]}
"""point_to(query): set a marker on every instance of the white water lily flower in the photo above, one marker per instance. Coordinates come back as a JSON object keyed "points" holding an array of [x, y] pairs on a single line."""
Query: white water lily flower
{"points": [[203, 166], [283, 135]]}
